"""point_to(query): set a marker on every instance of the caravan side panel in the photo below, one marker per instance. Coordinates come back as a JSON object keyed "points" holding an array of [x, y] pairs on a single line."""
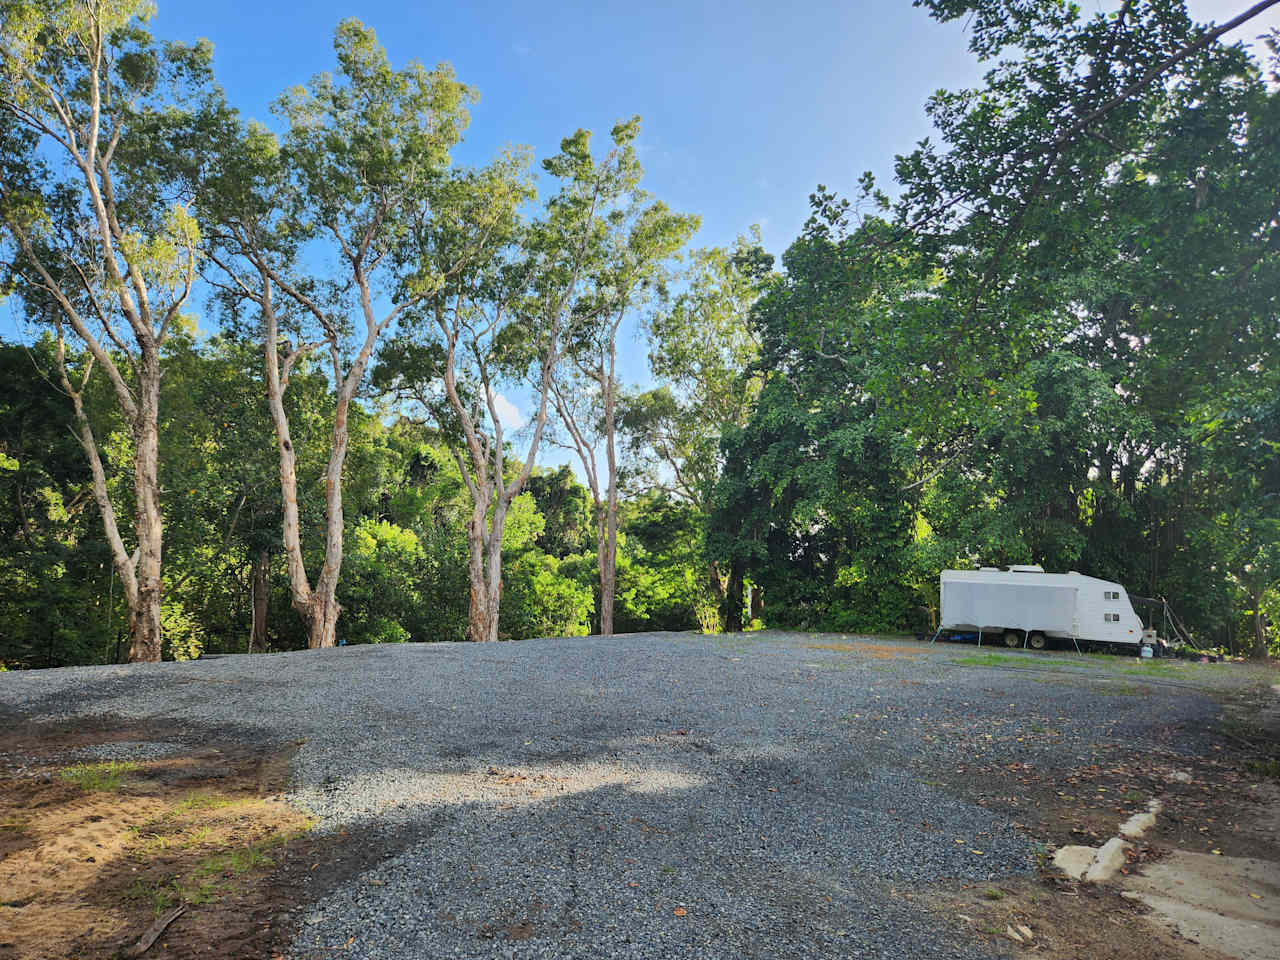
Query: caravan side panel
{"points": [[1023, 606]]}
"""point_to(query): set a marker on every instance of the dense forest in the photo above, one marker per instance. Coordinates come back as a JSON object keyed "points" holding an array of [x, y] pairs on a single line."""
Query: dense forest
{"points": [[256, 400]]}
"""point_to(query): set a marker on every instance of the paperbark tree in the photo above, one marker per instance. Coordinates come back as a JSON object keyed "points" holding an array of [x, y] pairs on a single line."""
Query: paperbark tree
{"points": [[94, 201], [354, 174], [625, 268]]}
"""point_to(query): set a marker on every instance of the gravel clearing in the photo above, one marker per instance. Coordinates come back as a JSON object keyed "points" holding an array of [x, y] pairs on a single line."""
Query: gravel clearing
{"points": [[654, 795]]}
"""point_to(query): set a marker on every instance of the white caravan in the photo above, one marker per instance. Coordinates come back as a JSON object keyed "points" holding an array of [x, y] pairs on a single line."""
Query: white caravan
{"points": [[1024, 606]]}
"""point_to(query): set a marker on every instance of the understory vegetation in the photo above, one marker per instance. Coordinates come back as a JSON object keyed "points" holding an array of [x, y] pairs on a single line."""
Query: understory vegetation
{"points": [[262, 402]]}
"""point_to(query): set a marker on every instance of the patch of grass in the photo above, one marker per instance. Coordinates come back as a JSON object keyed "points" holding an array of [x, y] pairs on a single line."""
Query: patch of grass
{"points": [[1134, 796], [243, 859], [206, 891], [1154, 668], [234, 862], [195, 801], [107, 775], [153, 843], [161, 896], [991, 893], [1264, 768], [1015, 661], [1122, 690], [1008, 660], [164, 895], [984, 660]]}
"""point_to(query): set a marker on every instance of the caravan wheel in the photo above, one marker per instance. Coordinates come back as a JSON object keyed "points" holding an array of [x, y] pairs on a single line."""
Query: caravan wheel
{"points": [[1037, 641], [1012, 640]]}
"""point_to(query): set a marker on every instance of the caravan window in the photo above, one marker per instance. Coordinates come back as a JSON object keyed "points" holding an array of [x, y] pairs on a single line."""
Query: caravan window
{"points": [[1111, 617], [1111, 595]]}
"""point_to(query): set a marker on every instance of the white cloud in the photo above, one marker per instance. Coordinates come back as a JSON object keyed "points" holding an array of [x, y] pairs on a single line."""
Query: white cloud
{"points": [[508, 413]]}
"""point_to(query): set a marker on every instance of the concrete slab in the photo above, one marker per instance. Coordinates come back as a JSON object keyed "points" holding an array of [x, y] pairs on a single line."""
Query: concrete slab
{"points": [[1228, 904], [1108, 862], [1075, 861], [1137, 825]]}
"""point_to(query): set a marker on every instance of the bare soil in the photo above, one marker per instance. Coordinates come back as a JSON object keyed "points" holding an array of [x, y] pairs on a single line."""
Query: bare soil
{"points": [[1222, 808], [91, 854], [1068, 921]]}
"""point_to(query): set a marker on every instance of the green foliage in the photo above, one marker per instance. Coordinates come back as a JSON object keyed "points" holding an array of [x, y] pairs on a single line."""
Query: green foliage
{"points": [[565, 505], [380, 595], [58, 602], [703, 350], [542, 598], [706, 610], [183, 632], [812, 503], [1056, 345], [660, 565]]}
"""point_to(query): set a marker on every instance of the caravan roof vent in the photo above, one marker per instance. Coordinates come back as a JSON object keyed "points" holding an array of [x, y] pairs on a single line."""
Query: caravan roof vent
{"points": [[1027, 568], [989, 569]]}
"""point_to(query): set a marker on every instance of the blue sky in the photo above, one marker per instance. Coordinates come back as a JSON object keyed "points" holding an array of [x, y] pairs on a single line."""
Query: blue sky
{"points": [[746, 107], [744, 111]]}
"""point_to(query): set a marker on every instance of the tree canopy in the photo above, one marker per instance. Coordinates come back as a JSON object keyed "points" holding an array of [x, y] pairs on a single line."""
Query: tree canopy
{"points": [[281, 355]]}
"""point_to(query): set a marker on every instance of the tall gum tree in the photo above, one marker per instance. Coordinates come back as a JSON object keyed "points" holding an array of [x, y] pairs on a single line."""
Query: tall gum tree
{"points": [[634, 240], [315, 231], [477, 333], [100, 128], [511, 290]]}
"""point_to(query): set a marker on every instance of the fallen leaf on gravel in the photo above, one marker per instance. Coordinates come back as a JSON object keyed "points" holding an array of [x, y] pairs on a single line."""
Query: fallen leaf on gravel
{"points": [[1216, 853], [1256, 896], [679, 911], [978, 852]]}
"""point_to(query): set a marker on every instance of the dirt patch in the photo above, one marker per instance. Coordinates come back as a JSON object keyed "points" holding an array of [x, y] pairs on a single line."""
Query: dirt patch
{"points": [[876, 651], [93, 850], [1067, 920], [1212, 802], [1218, 833]]}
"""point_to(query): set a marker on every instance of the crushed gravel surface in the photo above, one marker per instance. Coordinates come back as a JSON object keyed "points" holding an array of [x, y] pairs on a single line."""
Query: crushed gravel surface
{"points": [[654, 795]]}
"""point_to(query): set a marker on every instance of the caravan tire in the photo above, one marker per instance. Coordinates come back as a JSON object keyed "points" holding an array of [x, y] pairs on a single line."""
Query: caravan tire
{"points": [[1037, 641], [1012, 640]]}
